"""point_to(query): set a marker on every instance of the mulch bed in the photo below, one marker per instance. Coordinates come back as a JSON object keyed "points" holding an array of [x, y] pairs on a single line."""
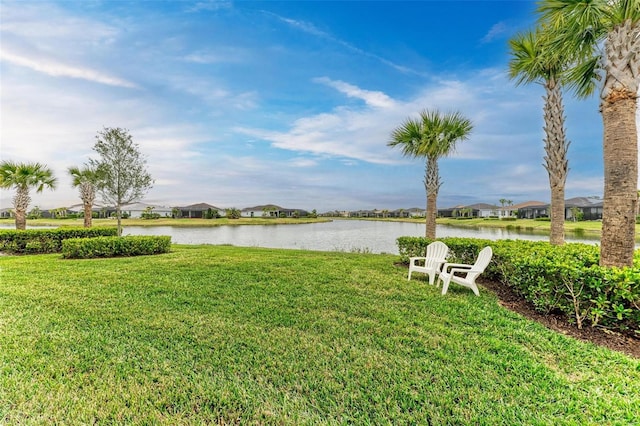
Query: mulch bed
{"points": [[628, 344]]}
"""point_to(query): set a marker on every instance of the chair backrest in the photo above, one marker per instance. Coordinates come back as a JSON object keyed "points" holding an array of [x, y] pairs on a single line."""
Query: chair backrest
{"points": [[437, 250], [484, 257]]}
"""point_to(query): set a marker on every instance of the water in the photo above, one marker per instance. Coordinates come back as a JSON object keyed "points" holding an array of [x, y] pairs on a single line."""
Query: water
{"points": [[339, 235]]}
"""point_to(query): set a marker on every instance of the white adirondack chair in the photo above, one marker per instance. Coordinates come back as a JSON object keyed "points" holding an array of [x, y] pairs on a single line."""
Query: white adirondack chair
{"points": [[431, 262], [466, 274]]}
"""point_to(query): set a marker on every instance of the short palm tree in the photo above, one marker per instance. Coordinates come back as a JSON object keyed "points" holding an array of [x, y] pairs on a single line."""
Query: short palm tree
{"points": [[23, 177], [432, 136], [86, 180], [606, 36], [533, 62]]}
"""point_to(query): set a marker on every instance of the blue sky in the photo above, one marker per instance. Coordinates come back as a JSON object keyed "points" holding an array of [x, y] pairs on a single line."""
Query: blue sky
{"points": [[245, 103]]}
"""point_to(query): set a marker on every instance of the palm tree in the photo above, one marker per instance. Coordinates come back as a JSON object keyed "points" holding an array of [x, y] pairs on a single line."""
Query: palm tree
{"points": [[532, 61], [432, 136], [606, 35], [85, 180], [23, 177]]}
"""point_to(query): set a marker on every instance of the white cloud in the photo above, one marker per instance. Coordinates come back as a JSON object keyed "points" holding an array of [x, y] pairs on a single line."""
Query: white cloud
{"points": [[219, 55], [210, 6], [55, 68], [311, 29], [362, 133], [496, 31], [372, 98], [303, 162]]}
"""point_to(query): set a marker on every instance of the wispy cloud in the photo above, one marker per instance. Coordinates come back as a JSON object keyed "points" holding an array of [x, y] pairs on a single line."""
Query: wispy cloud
{"points": [[219, 55], [496, 31], [311, 29], [210, 6], [55, 68], [372, 98]]}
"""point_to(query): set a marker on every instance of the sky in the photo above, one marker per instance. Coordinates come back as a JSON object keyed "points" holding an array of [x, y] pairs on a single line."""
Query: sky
{"points": [[243, 103]]}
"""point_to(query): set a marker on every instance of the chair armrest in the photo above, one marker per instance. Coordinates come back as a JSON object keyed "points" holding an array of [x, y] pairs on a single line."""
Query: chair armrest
{"points": [[460, 266], [463, 270], [413, 260]]}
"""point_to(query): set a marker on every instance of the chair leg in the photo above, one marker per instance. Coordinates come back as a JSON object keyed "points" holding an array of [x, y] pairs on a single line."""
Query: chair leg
{"points": [[432, 277], [445, 284]]}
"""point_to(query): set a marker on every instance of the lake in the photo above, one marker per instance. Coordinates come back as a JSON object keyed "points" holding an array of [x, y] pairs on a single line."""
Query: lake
{"points": [[339, 235]]}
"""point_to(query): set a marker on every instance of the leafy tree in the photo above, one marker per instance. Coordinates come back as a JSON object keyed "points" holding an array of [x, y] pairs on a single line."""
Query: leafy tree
{"points": [[605, 35], [124, 178], [532, 61], [22, 177], [86, 180], [432, 136], [148, 213], [233, 213], [35, 213]]}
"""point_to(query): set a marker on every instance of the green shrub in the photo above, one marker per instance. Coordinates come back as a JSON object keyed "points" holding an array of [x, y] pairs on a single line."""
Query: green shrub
{"points": [[508, 218], [32, 241], [86, 248], [563, 279]]}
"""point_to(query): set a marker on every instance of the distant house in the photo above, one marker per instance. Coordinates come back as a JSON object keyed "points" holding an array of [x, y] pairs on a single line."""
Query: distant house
{"points": [[514, 209], [198, 211], [450, 211], [401, 213], [533, 211], [135, 210], [6, 213], [472, 210], [483, 210], [272, 210], [361, 213], [587, 208], [416, 212]]}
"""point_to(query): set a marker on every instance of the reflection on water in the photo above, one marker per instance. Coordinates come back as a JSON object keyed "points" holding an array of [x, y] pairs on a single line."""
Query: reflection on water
{"points": [[339, 235]]}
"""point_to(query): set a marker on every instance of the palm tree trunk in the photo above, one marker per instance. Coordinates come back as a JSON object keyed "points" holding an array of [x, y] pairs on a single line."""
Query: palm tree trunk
{"points": [[87, 215], [88, 195], [431, 186], [556, 163], [620, 179], [21, 204], [557, 215]]}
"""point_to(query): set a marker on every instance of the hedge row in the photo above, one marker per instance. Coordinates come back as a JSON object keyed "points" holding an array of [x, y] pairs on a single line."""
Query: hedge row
{"points": [[563, 279], [32, 241], [86, 248]]}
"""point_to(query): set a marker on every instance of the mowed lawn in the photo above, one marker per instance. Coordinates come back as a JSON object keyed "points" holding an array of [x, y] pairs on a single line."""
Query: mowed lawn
{"points": [[229, 335]]}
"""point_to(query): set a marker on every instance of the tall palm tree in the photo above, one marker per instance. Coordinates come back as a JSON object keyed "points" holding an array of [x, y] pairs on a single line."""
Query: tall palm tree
{"points": [[432, 136], [86, 180], [23, 177], [606, 35], [533, 62]]}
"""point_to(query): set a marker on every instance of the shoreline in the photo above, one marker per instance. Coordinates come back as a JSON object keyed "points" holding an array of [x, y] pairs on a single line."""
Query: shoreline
{"points": [[590, 228]]}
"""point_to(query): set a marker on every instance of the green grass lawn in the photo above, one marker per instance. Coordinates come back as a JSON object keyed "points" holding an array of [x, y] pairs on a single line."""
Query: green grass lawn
{"points": [[587, 226], [220, 334]]}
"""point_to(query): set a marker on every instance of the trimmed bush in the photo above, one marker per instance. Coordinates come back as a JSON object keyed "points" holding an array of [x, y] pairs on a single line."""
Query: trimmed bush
{"points": [[87, 248], [33, 241], [563, 279]]}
